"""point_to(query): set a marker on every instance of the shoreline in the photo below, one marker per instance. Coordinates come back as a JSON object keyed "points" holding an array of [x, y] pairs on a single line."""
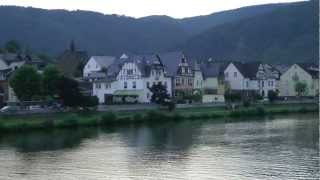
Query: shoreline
{"points": [[113, 118]]}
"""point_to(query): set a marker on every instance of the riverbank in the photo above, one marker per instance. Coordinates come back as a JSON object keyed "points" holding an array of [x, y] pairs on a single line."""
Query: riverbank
{"points": [[76, 119]]}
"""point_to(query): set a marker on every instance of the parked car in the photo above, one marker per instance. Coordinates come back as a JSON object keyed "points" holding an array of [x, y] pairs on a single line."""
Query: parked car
{"points": [[10, 109], [35, 107]]}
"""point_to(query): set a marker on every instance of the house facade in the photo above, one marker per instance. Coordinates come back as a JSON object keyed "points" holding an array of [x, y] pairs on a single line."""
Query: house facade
{"points": [[129, 80], [251, 78], [304, 73]]}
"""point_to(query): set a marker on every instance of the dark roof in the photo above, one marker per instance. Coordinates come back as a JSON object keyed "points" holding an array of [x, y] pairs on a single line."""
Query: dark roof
{"points": [[104, 61], [171, 61], [248, 69], [310, 68], [213, 69]]}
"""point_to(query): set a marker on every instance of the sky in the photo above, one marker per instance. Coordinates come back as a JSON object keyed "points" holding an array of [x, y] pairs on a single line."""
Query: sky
{"points": [[141, 8]]}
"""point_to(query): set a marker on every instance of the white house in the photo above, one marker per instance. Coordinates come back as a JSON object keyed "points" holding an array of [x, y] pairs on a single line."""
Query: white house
{"points": [[97, 64], [251, 77], [129, 78]]}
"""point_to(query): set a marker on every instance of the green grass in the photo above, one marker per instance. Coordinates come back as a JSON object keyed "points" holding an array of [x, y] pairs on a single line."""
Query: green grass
{"points": [[68, 120]]}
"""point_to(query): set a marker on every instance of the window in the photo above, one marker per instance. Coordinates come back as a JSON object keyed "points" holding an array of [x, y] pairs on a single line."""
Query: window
{"points": [[226, 74], [130, 72], [134, 85], [182, 70], [182, 81], [235, 74], [165, 83], [247, 84], [125, 85], [190, 82], [107, 85], [262, 84], [177, 82], [148, 84], [98, 85], [148, 95]]}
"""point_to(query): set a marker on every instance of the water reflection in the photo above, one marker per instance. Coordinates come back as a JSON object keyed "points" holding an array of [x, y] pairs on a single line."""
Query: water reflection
{"points": [[51, 140], [279, 148]]}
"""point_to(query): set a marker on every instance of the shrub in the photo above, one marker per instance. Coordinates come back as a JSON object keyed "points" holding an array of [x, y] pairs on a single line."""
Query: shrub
{"points": [[193, 117], [155, 116], [108, 117], [171, 106], [137, 117], [215, 116], [70, 120], [260, 111], [204, 116], [177, 117], [246, 103], [272, 96], [303, 110]]}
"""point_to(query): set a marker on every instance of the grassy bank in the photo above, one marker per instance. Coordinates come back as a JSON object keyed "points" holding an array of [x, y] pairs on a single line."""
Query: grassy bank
{"points": [[68, 120]]}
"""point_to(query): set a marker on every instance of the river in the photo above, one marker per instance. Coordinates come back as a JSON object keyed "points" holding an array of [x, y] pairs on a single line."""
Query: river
{"points": [[284, 147]]}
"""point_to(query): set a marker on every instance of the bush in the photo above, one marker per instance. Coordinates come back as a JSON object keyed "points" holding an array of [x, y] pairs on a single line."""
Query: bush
{"points": [[155, 116], [246, 103], [303, 110], [70, 121], [272, 96], [171, 106], [108, 117], [260, 111], [137, 117], [177, 117]]}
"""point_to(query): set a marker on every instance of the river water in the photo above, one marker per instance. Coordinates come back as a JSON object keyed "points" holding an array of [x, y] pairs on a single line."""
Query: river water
{"points": [[276, 148]]}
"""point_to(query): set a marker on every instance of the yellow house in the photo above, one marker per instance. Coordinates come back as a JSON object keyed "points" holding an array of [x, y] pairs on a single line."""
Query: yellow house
{"points": [[305, 73]]}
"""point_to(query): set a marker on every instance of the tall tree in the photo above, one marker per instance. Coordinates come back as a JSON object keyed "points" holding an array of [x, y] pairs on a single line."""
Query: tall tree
{"points": [[51, 77], [12, 46], [69, 92], [26, 83], [159, 94]]}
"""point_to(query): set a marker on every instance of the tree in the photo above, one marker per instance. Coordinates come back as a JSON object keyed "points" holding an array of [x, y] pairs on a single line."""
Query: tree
{"points": [[26, 83], [272, 95], [89, 102], [69, 92], [159, 94], [51, 77], [300, 88], [12, 46]]}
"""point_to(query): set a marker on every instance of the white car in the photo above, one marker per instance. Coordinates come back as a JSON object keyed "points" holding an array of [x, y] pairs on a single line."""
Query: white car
{"points": [[10, 109]]}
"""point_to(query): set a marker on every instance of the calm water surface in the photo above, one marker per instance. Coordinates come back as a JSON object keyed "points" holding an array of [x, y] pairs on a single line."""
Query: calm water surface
{"points": [[279, 148]]}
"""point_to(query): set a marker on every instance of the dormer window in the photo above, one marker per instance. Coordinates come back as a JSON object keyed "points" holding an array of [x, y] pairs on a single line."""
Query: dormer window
{"points": [[235, 74], [130, 72]]}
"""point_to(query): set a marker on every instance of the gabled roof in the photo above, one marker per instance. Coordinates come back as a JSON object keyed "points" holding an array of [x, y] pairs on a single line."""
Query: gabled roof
{"points": [[248, 69], [310, 68], [104, 61], [213, 69]]}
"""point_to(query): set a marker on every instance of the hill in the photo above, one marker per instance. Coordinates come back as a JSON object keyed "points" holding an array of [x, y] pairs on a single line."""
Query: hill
{"points": [[287, 34], [274, 32]]}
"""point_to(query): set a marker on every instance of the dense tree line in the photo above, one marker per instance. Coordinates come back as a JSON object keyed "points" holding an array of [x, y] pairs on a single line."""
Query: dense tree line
{"points": [[29, 85]]}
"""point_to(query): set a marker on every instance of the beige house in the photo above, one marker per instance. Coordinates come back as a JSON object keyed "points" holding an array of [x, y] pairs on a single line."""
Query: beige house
{"points": [[213, 81], [305, 73]]}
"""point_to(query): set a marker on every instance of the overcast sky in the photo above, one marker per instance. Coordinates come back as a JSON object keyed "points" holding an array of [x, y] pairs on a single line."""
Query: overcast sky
{"points": [[139, 8]]}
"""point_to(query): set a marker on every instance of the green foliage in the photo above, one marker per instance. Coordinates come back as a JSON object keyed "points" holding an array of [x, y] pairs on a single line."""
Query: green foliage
{"points": [[156, 116], [12, 46], [171, 106], [246, 103], [89, 101], [108, 117], [137, 117], [232, 96], [26, 83], [51, 78], [69, 92], [300, 88], [71, 120], [159, 94], [272, 96]]}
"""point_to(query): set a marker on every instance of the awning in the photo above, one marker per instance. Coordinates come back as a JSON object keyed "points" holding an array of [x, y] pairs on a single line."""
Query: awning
{"points": [[134, 93]]}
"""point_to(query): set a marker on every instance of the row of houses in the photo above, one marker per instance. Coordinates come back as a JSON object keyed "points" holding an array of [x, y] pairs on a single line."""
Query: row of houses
{"points": [[127, 79]]}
